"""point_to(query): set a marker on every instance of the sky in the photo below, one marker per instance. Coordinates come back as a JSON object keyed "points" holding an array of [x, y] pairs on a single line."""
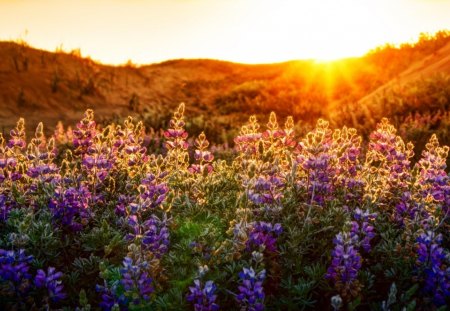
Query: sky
{"points": [[248, 31]]}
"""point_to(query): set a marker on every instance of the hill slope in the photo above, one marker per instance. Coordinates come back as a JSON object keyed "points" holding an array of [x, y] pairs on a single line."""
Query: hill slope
{"points": [[40, 85], [438, 62], [45, 86]]}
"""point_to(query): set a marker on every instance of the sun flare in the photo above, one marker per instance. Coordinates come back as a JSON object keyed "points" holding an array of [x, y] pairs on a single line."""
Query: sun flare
{"points": [[249, 31]]}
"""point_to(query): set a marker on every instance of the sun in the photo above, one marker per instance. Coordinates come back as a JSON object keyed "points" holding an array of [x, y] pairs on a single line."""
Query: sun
{"points": [[323, 30], [246, 31]]}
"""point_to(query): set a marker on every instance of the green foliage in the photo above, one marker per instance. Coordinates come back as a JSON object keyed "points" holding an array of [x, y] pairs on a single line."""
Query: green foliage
{"points": [[118, 215], [103, 239]]}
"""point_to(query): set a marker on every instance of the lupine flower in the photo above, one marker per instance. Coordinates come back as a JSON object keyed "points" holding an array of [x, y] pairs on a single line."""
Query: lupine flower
{"points": [[153, 233], [251, 292], [52, 281], [14, 269], [433, 181], [406, 208], [315, 162], [44, 172], [247, 143], [202, 156], [108, 297], [5, 206], [100, 157], [131, 154], [84, 134], [362, 228], [133, 288], [203, 297], [388, 163], [271, 136], [71, 207], [346, 147], [13, 163], [122, 202], [264, 234], [279, 143], [17, 140], [320, 180], [265, 190], [177, 156], [156, 236], [40, 155], [345, 264], [284, 147], [153, 191], [136, 281], [434, 261], [239, 231]]}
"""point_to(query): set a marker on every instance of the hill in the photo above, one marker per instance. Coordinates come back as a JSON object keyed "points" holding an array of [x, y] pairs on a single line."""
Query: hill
{"points": [[437, 62], [417, 101], [46, 86]]}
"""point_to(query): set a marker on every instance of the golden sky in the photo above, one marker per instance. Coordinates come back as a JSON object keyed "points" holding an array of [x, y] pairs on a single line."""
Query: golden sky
{"points": [[250, 31]]}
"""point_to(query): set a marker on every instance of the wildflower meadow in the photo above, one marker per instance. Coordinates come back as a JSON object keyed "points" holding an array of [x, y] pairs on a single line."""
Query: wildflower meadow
{"points": [[119, 217]]}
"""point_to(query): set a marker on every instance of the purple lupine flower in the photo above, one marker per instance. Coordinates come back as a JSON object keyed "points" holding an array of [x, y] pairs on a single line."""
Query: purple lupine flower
{"points": [[14, 269], [15, 176], [108, 297], [433, 180], [279, 143], [389, 156], [435, 264], [155, 236], [315, 162], [266, 190], [264, 234], [99, 163], [247, 142], [100, 157], [52, 281], [84, 134], [2, 162], [122, 202], [128, 146], [176, 145], [40, 155], [17, 136], [203, 298], [272, 137], [406, 208], [155, 191], [362, 228], [345, 264], [135, 287], [46, 173], [346, 146], [202, 156], [251, 291], [136, 281], [71, 207], [320, 177], [5, 206], [153, 233]]}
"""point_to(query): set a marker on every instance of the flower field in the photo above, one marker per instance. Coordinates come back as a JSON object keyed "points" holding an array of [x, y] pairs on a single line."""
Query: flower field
{"points": [[120, 218]]}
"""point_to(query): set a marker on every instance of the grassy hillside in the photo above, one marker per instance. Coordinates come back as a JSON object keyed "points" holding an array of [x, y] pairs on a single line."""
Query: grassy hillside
{"points": [[45, 86]]}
